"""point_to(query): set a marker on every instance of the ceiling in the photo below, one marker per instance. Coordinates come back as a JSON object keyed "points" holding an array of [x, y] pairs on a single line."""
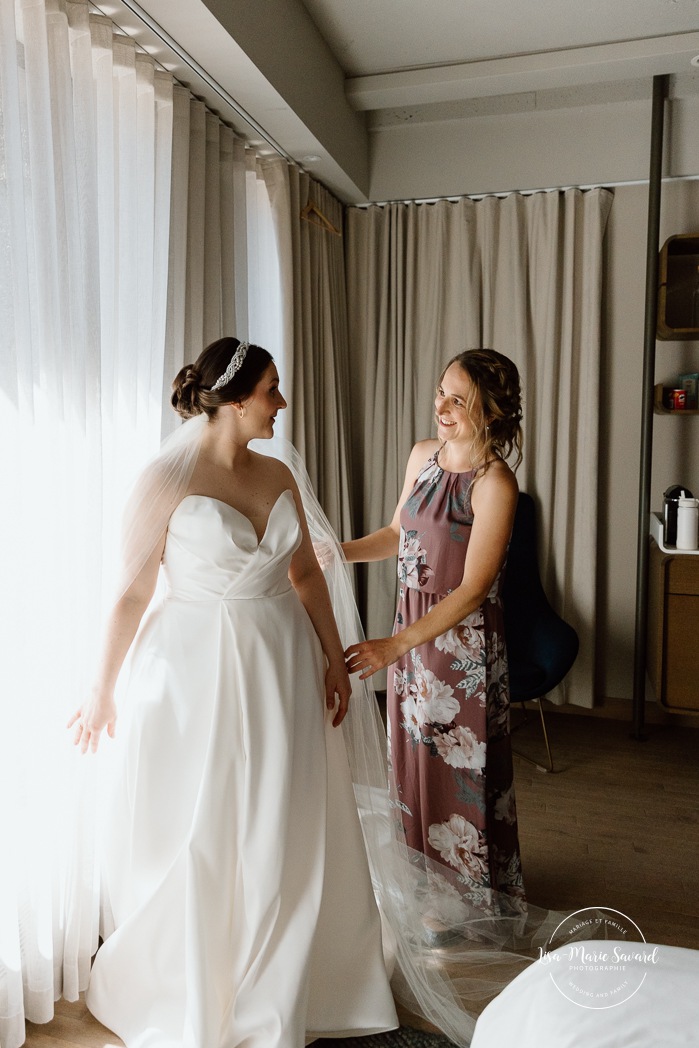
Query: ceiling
{"points": [[369, 37], [317, 77], [416, 53]]}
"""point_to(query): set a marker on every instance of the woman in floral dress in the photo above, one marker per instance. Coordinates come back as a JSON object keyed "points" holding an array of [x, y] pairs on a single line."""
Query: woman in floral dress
{"points": [[448, 700]]}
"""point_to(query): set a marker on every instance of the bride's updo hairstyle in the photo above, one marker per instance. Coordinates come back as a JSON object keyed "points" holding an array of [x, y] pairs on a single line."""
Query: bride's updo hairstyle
{"points": [[494, 403], [191, 390]]}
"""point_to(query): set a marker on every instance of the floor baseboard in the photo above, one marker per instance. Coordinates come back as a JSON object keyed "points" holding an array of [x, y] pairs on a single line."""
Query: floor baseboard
{"points": [[621, 710]]}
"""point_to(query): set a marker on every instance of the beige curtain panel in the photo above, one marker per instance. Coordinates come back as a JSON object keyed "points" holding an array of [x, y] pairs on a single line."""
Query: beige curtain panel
{"points": [[520, 274], [309, 224], [215, 259]]}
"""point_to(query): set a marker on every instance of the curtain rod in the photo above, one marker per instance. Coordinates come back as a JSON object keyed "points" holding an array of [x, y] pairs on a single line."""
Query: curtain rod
{"points": [[192, 64], [522, 192]]}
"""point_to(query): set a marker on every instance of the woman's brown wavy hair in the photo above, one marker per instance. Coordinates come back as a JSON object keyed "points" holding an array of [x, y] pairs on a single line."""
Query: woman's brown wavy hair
{"points": [[494, 404]]}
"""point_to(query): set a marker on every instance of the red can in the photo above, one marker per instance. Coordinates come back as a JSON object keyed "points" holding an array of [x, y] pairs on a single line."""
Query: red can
{"points": [[675, 399]]}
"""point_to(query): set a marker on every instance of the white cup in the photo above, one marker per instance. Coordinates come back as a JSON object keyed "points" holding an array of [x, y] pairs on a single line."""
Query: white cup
{"points": [[688, 523]]}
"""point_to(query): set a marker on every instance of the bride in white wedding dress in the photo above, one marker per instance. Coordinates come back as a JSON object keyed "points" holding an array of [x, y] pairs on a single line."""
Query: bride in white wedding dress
{"points": [[239, 910]]}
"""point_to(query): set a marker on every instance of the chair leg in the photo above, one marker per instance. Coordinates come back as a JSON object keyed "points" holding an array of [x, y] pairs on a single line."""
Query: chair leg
{"points": [[538, 766]]}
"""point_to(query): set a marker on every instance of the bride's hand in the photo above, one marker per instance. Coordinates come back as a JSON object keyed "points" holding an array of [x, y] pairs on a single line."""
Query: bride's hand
{"points": [[96, 714], [337, 687]]}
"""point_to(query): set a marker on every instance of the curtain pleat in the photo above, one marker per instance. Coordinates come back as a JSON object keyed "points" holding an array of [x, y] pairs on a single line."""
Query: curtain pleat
{"points": [[227, 160], [195, 328], [520, 274], [278, 192], [176, 303]]}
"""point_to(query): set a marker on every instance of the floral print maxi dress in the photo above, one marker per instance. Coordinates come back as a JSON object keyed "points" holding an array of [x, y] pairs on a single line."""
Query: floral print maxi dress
{"points": [[448, 703]]}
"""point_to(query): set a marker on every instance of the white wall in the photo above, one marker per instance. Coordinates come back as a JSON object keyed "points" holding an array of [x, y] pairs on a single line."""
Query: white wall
{"points": [[552, 142], [529, 150]]}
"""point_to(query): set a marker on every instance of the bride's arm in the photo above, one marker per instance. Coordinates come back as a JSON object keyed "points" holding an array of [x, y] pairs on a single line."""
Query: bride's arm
{"points": [[308, 581], [99, 709]]}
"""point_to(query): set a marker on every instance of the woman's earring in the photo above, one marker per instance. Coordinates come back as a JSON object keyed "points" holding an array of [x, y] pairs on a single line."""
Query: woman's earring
{"points": [[241, 412]]}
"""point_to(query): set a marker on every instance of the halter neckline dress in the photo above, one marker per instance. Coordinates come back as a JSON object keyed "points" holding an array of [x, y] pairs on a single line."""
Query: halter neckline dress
{"points": [[448, 703]]}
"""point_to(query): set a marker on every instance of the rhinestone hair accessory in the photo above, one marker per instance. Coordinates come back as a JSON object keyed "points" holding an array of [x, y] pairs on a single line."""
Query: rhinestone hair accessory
{"points": [[235, 365]]}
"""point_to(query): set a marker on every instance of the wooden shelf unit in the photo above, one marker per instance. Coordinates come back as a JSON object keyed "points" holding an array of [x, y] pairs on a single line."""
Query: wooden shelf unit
{"points": [[660, 409], [673, 627], [678, 273]]}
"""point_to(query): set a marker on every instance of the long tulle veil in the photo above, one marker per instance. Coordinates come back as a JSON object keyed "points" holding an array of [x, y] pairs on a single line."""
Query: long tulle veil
{"points": [[488, 941]]}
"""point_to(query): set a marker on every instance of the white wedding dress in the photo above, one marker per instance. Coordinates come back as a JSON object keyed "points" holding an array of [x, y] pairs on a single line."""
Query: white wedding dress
{"points": [[239, 906]]}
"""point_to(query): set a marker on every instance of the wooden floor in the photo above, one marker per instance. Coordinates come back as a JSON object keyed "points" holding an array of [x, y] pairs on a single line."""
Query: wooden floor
{"points": [[615, 825]]}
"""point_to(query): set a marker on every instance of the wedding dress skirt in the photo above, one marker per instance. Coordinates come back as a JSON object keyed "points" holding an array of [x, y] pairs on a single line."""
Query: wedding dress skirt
{"points": [[238, 904]]}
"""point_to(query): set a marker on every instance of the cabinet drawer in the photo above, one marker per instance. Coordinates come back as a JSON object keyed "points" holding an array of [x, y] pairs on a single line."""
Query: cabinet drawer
{"points": [[681, 689], [683, 575]]}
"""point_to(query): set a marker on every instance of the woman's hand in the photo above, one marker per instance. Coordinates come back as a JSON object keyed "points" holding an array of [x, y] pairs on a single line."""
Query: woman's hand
{"points": [[337, 687], [372, 655], [97, 713], [325, 554]]}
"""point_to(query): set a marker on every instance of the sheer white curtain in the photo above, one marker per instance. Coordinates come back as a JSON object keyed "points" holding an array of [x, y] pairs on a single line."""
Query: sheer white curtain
{"points": [[85, 147], [520, 274], [115, 267]]}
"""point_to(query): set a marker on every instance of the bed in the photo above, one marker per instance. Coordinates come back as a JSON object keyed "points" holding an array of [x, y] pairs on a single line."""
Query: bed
{"points": [[637, 996]]}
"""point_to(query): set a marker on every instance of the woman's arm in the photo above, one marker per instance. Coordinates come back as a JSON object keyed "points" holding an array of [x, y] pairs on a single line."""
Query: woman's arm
{"points": [[99, 709], [308, 581], [494, 500], [381, 544]]}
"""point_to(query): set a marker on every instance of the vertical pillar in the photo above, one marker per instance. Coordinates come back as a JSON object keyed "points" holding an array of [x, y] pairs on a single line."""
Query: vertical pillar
{"points": [[660, 85]]}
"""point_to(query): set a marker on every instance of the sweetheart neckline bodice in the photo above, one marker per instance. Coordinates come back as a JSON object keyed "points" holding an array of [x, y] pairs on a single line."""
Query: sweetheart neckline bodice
{"points": [[239, 513], [212, 551]]}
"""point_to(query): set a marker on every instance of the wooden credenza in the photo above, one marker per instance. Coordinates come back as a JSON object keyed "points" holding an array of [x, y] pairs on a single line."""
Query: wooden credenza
{"points": [[672, 654]]}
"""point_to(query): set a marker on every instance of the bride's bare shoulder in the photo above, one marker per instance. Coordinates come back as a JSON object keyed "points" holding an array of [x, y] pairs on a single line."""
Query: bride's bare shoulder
{"points": [[274, 469]]}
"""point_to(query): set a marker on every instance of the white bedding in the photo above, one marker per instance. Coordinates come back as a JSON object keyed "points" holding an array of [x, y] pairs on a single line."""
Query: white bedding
{"points": [[533, 1012]]}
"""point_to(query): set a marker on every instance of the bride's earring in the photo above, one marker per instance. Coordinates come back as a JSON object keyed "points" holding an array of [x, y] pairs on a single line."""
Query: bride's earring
{"points": [[241, 412]]}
